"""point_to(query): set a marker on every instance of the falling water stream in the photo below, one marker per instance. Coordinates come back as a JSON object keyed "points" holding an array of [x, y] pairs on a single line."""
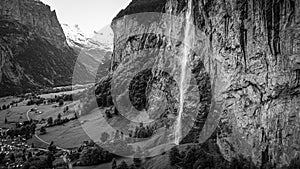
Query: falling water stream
{"points": [[183, 76]]}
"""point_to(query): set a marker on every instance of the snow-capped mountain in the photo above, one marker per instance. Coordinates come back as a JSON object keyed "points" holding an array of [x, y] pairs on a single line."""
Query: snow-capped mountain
{"points": [[93, 51], [105, 36], [102, 39]]}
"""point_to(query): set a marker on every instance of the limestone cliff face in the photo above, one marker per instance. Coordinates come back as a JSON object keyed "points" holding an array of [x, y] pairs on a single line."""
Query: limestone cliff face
{"points": [[37, 16], [256, 45], [250, 54]]}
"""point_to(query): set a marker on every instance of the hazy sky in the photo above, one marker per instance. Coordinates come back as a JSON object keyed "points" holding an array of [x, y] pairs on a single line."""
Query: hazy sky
{"points": [[90, 15]]}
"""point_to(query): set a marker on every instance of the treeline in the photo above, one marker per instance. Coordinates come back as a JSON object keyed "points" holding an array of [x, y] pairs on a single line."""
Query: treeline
{"points": [[142, 132], [39, 162], [13, 103], [59, 120], [57, 99], [4, 107]]}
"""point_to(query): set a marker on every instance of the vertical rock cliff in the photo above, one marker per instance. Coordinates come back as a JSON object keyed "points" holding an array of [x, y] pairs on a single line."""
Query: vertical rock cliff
{"points": [[246, 61], [256, 45], [36, 16]]}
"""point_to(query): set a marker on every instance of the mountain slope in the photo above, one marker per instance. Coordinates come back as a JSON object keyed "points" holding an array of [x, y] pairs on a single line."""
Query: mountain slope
{"points": [[94, 52], [33, 50]]}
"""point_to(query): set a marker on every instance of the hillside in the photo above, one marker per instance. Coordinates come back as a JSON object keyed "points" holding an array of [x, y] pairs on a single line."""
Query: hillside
{"points": [[34, 52], [93, 51]]}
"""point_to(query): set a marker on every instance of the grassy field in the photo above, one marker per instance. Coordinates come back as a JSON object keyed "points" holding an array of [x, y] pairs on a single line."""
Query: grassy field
{"points": [[53, 110], [14, 114], [94, 124], [37, 143], [8, 100], [69, 135], [74, 133]]}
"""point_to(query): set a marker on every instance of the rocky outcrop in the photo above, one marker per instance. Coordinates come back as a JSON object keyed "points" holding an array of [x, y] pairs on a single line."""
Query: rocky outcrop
{"points": [[37, 16], [250, 54], [33, 50]]}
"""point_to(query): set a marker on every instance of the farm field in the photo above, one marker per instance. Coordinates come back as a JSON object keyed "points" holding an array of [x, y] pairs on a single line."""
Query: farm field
{"points": [[8, 100], [13, 114], [74, 133], [53, 110], [69, 135]]}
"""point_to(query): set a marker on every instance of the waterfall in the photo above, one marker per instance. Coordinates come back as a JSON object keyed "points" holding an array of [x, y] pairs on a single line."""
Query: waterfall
{"points": [[183, 76]]}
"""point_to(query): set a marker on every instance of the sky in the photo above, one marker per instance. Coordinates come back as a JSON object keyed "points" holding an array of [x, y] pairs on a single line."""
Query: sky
{"points": [[90, 15]]}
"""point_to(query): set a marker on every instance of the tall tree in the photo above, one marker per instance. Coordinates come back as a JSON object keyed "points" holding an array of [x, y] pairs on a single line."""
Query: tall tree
{"points": [[114, 164]]}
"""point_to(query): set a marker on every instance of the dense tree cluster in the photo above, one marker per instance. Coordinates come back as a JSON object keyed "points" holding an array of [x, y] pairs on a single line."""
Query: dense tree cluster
{"points": [[40, 162], [93, 155], [12, 104], [37, 100], [138, 89], [103, 92], [110, 113], [142, 132], [59, 120], [123, 165], [207, 155], [23, 130], [4, 107]]}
